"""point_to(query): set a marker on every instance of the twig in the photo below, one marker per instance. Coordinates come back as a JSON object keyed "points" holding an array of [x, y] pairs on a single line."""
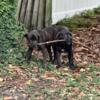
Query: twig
{"points": [[48, 42], [74, 41]]}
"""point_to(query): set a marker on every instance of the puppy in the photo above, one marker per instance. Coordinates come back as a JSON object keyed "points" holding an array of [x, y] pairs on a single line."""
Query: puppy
{"points": [[63, 33], [49, 34], [38, 36]]}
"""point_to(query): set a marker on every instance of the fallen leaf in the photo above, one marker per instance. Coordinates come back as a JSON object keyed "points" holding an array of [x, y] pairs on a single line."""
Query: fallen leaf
{"points": [[89, 78], [82, 70], [29, 82], [1, 79], [80, 49], [10, 66], [82, 94], [7, 98], [35, 79], [75, 89], [48, 74]]}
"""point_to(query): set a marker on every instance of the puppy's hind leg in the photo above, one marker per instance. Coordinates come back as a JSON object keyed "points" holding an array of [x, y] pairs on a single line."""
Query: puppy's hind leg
{"points": [[57, 59], [70, 57], [45, 56]]}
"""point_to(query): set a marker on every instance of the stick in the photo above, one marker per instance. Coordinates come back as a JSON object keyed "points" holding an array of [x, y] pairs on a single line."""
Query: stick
{"points": [[84, 46], [51, 42]]}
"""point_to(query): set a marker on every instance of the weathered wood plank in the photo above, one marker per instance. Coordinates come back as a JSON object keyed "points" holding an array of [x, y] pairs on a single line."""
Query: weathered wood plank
{"points": [[48, 13], [28, 16], [35, 13], [41, 16], [23, 10], [19, 6]]}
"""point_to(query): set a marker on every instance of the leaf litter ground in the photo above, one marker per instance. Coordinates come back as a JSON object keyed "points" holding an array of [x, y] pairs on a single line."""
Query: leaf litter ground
{"points": [[34, 83]]}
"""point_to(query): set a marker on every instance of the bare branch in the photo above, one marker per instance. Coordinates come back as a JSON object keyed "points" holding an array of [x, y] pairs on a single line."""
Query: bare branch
{"points": [[48, 42]]}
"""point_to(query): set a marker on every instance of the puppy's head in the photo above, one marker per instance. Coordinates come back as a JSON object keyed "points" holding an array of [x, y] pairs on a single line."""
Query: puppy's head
{"points": [[32, 39], [66, 35], [61, 35]]}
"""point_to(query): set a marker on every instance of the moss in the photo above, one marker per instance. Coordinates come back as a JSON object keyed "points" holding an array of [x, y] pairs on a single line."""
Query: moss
{"points": [[85, 19], [97, 10]]}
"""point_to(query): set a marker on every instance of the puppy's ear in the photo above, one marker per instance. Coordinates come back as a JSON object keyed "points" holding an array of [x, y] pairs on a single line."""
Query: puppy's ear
{"points": [[60, 35]]}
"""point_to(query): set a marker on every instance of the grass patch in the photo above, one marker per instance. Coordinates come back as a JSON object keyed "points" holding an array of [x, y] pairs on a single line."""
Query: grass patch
{"points": [[85, 19]]}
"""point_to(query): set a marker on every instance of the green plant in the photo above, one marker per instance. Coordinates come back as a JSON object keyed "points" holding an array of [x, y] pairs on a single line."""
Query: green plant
{"points": [[88, 14], [97, 10], [84, 19], [46, 91], [11, 50]]}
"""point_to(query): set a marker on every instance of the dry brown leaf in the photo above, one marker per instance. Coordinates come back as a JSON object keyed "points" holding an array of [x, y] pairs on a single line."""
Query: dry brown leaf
{"points": [[89, 78], [1, 79], [98, 64], [80, 49], [35, 79], [97, 50], [86, 45], [75, 89], [48, 74], [82, 94], [7, 98], [18, 70], [29, 82]]}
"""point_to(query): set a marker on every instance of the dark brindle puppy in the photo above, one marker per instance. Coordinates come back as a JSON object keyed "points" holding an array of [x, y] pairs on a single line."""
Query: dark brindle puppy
{"points": [[49, 34]]}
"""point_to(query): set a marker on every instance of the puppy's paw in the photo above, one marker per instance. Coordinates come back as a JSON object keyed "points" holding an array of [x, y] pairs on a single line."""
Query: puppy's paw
{"points": [[45, 65], [72, 66], [54, 62], [58, 66]]}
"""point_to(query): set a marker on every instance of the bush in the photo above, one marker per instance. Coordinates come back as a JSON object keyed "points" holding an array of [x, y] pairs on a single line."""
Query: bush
{"points": [[97, 10], [85, 19], [10, 34], [88, 14], [75, 22]]}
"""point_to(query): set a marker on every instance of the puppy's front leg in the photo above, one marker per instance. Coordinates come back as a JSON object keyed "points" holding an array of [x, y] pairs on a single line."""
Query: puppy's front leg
{"points": [[57, 59], [50, 53], [29, 54], [45, 55]]}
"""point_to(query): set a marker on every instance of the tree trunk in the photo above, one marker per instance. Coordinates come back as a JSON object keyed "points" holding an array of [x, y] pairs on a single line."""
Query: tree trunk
{"points": [[34, 13]]}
